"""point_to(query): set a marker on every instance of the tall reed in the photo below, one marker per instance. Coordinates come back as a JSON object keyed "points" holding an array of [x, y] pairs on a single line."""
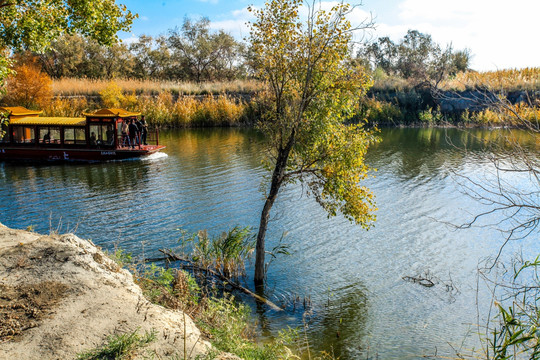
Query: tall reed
{"points": [[93, 87]]}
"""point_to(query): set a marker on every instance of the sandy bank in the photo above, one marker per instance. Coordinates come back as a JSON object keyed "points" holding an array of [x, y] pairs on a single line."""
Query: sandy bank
{"points": [[60, 296]]}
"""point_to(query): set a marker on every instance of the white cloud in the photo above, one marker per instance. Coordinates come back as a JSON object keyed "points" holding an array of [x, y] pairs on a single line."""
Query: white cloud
{"points": [[235, 24], [130, 40], [500, 34]]}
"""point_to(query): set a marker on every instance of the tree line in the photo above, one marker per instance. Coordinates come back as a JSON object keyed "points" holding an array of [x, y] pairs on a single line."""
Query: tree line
{"points": [[416, 56], [193, 52]]}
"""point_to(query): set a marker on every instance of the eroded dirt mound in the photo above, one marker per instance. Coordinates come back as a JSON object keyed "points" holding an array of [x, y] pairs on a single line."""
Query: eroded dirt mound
{"points": [[61, 296], [23, 306]]}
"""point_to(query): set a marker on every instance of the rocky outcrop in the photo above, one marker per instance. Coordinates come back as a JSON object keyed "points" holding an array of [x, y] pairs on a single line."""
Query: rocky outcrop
{"points": [[60, 296]]}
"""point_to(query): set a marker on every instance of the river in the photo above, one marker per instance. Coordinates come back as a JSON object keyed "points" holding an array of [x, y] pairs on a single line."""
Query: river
{"points": [[360, 305]]}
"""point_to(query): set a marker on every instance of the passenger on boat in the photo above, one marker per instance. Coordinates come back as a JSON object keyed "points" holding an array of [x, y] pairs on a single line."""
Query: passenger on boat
{"points": [[133, 129], [93, 140], [110, 135], [144, 130], [125, 129], [139, 132], [47, 137]]}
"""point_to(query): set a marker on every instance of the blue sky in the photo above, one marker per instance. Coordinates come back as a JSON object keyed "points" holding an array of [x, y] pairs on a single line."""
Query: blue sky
{"points": [[500, 33]]}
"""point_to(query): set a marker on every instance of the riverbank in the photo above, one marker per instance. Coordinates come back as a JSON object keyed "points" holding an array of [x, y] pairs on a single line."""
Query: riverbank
{"points": [[61, 296], [406, 107]]}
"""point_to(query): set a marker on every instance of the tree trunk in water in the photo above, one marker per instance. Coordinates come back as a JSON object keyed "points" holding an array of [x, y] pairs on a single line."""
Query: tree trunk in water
{"points": [[277, 180], [263, 225]]}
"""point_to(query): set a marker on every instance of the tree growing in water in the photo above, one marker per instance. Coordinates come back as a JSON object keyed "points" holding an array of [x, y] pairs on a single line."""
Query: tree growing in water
{"points": [[312, 89]]}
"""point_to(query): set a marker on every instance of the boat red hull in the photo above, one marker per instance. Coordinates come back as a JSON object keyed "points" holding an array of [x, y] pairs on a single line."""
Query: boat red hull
{"points": [[85, 155]]}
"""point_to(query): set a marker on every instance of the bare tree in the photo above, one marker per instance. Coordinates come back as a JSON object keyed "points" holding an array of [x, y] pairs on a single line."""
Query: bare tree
{"points": [[513, 197]]}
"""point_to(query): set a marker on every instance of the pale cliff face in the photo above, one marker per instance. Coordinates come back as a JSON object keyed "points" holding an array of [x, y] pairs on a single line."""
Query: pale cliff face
{"points": [[74, 298]]}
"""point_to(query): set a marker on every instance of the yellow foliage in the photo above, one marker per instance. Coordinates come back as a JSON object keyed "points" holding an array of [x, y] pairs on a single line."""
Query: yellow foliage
{"points": [[512, 115], [29, 87], [509, 80], [66, 107], [76, 86], [112, 96]]}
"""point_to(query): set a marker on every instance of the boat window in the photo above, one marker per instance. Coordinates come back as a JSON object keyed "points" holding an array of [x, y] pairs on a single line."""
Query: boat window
{"points": [[49, 135], [74, 136], [101, 135], [23, 135]]}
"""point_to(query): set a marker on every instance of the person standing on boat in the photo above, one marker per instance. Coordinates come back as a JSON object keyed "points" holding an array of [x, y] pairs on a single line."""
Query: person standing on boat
{"points": [[125, 129], [139, 131], [133, 129], [144, 130]]}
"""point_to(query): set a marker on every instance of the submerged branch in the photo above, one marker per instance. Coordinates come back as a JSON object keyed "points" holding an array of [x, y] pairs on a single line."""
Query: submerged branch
{"points": [[170, 255]]}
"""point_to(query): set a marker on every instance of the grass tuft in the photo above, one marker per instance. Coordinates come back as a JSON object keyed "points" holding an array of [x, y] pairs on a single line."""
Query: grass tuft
{"points": [[119, 347]]}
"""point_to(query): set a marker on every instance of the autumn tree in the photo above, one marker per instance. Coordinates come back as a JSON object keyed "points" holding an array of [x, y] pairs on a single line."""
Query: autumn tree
{"points": [[34, 24], [312, 89], [152, 58], [197, 50], [29, 87]]}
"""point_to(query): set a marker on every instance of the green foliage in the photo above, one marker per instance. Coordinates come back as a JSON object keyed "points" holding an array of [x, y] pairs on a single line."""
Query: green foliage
{"points": [[192, 53], [34, 24], [6, 69], [225, 254], [118, 347], [516, 334], [416, 57], [202, 53], [430, 116], [313, 88], [228, 325], [171, 288], [4, 121], [121, 257], [379, 112]]}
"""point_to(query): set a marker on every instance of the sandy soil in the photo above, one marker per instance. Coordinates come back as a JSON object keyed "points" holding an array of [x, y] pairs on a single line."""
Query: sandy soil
{"points": [[60, 296]]}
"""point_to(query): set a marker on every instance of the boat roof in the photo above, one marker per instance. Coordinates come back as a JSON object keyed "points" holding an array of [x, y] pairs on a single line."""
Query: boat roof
{"points": [[66, 121], [112, 112], [20, 111]]}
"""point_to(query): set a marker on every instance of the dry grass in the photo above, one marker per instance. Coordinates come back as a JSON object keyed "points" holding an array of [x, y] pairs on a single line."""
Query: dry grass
{"points": [[527, 79], [163, 110], [88, 87]]}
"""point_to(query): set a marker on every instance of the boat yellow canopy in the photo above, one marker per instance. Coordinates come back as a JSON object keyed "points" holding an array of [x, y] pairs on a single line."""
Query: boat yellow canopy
{"points": [[52, 121], [18, 112], [112, 112]]}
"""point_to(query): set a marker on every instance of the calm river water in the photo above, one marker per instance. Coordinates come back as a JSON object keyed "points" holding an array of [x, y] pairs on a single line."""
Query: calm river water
{"points": [[360, 305]]}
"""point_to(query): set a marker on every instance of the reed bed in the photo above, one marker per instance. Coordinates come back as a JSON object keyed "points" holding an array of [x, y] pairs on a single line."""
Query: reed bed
{"points": [[527, 79], [165, 111], [93, 87]]}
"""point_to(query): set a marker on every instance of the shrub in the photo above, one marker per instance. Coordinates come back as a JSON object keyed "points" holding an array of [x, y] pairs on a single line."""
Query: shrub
{"points": [[66, 107], [430, 116], [29, 87], [380, 112]]}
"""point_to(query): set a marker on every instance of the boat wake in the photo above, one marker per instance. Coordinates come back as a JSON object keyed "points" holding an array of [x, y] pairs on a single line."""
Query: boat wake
{"points": [[155, 156]]}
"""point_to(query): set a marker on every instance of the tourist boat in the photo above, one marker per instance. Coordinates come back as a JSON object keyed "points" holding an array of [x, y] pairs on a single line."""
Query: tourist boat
{"points": [[95, 137]]}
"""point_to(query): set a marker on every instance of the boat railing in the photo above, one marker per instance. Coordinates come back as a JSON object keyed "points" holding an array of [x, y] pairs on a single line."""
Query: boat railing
{"points": [[152, 138]]}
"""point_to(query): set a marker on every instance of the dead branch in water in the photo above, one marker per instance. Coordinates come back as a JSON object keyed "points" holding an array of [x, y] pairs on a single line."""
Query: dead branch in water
{"points": [[419, 280], [170, 255]]}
